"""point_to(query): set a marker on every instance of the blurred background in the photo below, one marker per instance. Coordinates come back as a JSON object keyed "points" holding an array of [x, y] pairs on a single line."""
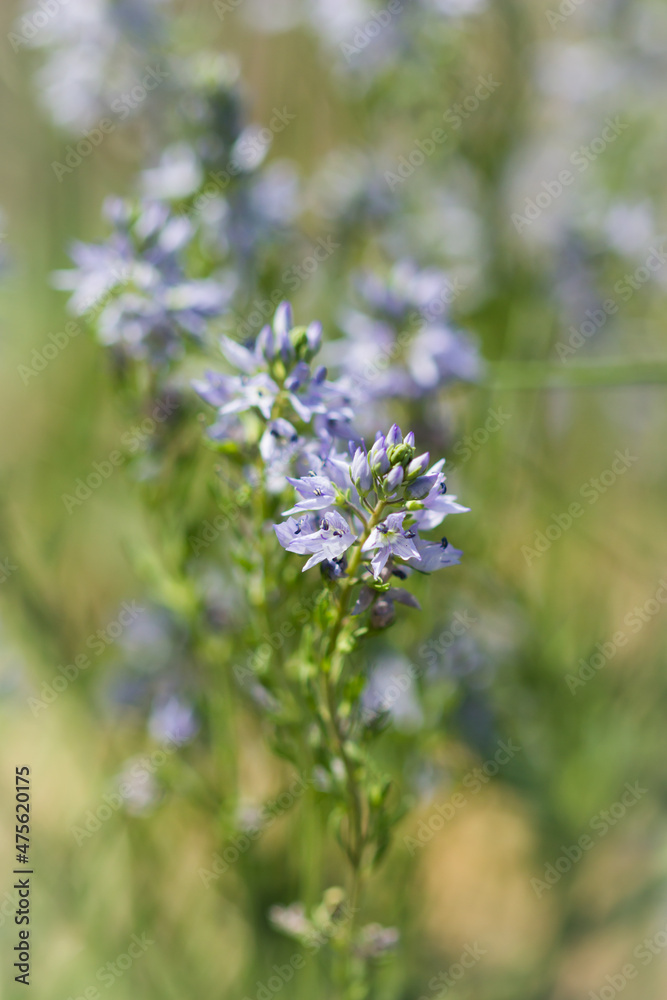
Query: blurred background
{"points": [[501, 162]]}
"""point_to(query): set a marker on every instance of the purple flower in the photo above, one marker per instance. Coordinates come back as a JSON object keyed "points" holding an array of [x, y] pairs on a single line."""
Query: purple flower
{"points": [[290, 530], [279, 443], [264, 381], [437, 503], [420, 487], [173, 720], [418, 465], [394, 436], [395, 478], [378, 457], [390, 539], [282, 324], [241, 357], [269, 343], [360, 471], [215, 388], [434, 555], [329, 542], [434, 355], [317, 493], [135, 288], [314, 336], [439, 354], [258, 391]]}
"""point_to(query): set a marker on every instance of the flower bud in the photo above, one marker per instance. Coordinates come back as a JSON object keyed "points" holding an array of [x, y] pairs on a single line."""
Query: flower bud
{"points": [[394, 478], [409, 439], [394, 436], [400, 454], [381, 464], [266, 343], [418, 465], [282, 320], [420, 488], [378, 457], [282, 324], [360, 471], [314, 336], [299, 341]]}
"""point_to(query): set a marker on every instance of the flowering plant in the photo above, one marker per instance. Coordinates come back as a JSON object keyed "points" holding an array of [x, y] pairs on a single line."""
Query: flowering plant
{"points": [[361, 515], [294, 475]]}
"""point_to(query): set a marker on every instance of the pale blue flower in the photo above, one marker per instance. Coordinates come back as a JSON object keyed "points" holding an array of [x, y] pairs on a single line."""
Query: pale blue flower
{"points": [[390, 539], [438, 503], [279, 442], [329, 542], [173, 720], [434, 555], [316, 492]]}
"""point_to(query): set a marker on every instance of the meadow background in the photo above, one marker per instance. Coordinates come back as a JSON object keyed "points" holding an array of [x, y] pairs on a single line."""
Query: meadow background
{"points": [[537, 615]]}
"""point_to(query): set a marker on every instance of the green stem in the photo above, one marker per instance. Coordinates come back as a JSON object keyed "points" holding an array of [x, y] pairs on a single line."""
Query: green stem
{"points": [[349, 582], [357, 832]]}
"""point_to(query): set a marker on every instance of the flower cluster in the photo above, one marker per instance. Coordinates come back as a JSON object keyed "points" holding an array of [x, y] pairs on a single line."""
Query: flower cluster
{"points": [[97, 51], [136, 283], [302, 412], [358, 511], [376, 503], [433, 354]]}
